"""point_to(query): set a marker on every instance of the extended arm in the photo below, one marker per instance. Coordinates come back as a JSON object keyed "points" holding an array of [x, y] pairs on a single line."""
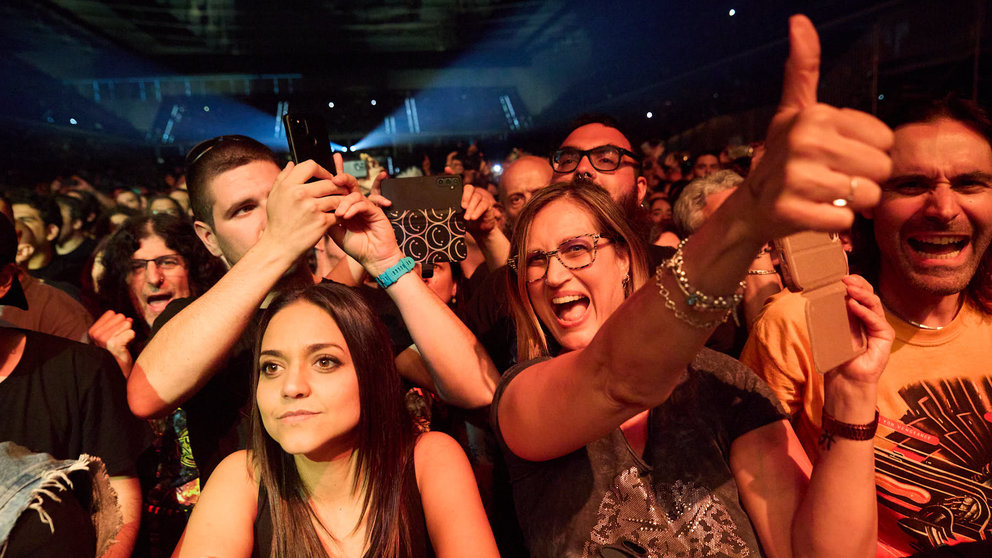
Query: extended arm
{"points": [[835, 513], [462, 372], [185, 353], [762, 281], [557, 406]]}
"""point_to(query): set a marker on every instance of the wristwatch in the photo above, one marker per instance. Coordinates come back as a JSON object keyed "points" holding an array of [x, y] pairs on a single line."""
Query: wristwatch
{"points": [[393, 274]]}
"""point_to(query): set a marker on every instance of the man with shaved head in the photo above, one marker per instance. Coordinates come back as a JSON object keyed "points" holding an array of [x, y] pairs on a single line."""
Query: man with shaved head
{"points": [[520, 180]]}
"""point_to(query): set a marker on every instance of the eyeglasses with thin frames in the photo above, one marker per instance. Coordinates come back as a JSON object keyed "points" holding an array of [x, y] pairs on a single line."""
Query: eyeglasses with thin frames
{"points": [[605, 158], [574, 253], [166, 263]]}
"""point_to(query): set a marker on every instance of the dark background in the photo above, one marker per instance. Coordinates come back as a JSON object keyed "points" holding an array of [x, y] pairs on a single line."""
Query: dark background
{"points": [[122, 85]]}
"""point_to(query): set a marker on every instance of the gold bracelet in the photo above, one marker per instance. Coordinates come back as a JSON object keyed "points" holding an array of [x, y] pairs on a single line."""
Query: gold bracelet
{"points": [[670, 304]]}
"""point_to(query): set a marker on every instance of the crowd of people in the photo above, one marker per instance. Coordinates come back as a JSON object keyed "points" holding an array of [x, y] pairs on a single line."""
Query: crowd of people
{"points": [[245, 362]]}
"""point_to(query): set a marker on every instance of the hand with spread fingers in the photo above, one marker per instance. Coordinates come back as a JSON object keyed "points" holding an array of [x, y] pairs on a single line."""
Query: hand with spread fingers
{"points": [[375, 194], [822, 163]]}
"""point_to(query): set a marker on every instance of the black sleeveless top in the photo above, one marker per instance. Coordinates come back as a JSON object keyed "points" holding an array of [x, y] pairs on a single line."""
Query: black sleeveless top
{"points": [[410, 499]]}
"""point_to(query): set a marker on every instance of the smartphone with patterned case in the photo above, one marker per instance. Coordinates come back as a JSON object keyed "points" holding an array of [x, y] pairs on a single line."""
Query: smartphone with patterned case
{"points": [[427, 217]]}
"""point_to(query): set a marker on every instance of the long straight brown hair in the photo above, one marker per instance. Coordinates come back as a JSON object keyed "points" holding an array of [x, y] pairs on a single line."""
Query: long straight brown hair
{"points": [[385, 435], [609, 218]]}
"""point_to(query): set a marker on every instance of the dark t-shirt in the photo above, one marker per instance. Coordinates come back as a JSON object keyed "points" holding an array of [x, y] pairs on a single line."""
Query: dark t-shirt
{"points": [[69, 267], [65, 399], [677, 500], [217, 414]]}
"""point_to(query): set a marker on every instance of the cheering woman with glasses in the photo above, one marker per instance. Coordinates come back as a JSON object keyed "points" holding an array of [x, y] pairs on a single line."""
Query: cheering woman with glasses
{"points": [[624, 436], [608, 451]]}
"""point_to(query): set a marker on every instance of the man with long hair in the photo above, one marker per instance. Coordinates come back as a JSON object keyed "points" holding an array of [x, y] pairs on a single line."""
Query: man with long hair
{"points": [[925, 247]]}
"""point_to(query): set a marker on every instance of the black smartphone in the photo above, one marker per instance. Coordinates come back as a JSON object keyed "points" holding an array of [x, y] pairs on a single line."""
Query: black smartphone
{"points": [[442, 191], [427, 216], [308, 139]]}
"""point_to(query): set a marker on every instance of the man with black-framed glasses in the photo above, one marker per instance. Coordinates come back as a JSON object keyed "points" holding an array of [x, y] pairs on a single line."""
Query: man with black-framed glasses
{"points": [[519, 182], [597, 152], [594, 151]]}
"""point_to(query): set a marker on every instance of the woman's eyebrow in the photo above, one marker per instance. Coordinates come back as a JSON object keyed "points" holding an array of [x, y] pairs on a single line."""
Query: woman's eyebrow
{"points": [[320, 346]]}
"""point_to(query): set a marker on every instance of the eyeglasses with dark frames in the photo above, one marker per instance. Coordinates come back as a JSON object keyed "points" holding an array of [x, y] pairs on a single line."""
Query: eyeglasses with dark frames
{"points": [[166, 263], [201, 149], [574, 253], [605, 158]]}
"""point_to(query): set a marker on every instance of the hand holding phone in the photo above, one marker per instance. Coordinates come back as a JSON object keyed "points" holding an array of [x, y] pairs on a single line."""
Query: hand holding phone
{"points": [[426, 217], [815, 264], [308, 139]]}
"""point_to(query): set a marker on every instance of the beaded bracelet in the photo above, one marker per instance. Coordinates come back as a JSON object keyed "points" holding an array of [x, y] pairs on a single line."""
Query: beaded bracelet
{"points": [[695, 299], [670, 304]]}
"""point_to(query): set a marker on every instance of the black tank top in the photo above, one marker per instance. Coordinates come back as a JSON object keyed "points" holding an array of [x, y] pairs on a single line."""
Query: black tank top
{"points": [[410, 499]]}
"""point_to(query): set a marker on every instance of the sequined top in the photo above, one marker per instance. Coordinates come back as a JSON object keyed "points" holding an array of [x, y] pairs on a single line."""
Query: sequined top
{"points": [[678, 499]]}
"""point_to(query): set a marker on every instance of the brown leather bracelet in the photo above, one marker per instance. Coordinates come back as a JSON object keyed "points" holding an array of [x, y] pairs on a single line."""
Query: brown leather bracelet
{"points": [[832, 427]]}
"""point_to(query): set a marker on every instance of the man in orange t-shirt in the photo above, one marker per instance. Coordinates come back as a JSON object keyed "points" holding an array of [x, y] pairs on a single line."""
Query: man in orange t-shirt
{"points": [[928, 236]]}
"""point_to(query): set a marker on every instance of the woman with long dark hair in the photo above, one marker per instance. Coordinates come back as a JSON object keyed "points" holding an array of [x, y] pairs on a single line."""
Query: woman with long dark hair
{"points": [[334, 465]]}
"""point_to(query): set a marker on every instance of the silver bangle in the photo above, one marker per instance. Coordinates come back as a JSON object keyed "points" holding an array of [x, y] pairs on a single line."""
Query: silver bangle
{"points": [[682, 316], [761, 272], [694, 298]]}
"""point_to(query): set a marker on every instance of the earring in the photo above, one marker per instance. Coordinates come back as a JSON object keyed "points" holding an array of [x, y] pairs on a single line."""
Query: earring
{"points": [[626, 285]]}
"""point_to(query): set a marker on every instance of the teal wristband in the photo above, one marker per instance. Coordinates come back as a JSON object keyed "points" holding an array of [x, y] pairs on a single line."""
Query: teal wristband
{"points": [[393, 274]]}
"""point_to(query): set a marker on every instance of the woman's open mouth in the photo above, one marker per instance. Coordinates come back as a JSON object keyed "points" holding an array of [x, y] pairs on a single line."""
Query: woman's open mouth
{"points": [[570, 308]]}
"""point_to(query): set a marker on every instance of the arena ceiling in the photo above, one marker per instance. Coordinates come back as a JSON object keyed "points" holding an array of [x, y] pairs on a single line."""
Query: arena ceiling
{"points": [[468, 68]]}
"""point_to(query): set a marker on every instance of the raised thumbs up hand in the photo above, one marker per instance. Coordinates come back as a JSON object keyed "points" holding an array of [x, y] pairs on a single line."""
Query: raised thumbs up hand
{"points": [[822, 163]]}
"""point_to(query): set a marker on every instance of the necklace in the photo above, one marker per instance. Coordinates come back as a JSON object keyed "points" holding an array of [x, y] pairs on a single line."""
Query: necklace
{"points": [[922, 326], [918, 325]]}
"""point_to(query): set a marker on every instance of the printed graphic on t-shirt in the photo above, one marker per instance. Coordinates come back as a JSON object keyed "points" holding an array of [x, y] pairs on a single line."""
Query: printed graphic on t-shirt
{"points": [[690, 521], [934, 468]]}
